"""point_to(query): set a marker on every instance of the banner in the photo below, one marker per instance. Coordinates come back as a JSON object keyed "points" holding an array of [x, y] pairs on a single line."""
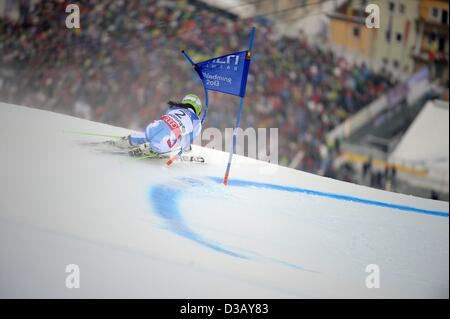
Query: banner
{"points": [[226, 74], [401, 91]]}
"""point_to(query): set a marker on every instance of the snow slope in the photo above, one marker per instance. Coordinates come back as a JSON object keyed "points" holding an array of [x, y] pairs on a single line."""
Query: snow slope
{"points": [[139, 229]]}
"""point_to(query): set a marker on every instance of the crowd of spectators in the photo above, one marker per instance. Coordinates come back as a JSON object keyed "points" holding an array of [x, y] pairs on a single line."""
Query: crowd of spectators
{"points": [[124, 64]]}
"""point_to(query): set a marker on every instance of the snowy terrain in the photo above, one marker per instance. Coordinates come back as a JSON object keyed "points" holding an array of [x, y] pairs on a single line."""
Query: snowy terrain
{"points": [[139, 229]]}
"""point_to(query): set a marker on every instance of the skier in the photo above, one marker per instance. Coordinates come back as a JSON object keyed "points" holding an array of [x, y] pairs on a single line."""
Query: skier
{"points": [[177, 128]]}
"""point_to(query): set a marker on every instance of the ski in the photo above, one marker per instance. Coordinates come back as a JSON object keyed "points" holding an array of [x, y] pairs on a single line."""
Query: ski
{"points": [[113, 150], [182, 158], [102, 143], [109, 147], [193, 159]]}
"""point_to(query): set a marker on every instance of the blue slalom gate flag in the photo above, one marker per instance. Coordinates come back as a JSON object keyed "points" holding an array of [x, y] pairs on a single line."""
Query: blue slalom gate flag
{"points": [[226, 74]]}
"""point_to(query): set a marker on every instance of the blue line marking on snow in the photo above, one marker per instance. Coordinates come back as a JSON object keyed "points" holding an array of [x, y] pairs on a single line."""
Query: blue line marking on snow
{"points": [[244, 183], [165, 200]]}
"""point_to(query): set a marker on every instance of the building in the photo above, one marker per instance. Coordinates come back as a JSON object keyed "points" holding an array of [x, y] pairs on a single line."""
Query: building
{"points": [[388, 47], [431, 46]]}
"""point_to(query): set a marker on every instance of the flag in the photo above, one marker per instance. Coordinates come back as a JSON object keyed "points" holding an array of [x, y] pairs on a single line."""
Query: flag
{"points": [[226, 74]]}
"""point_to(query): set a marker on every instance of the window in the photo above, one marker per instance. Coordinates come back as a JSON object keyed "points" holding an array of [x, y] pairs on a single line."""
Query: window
{"points": [[402, 8], [396, 64], [444, 17], [399, 37], [385, 61], [391, 6], [388, 36], [356, 32], [441, 44], [435, 13]]}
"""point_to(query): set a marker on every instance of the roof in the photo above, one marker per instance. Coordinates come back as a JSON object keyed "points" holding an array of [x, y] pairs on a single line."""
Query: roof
{"points": [[426, 141]]}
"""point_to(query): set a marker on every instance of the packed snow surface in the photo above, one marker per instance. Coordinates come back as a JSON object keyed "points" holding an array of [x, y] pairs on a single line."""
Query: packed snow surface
{"points": [[136, 228]]}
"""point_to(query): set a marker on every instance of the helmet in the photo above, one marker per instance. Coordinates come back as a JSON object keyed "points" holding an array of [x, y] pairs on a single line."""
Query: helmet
{"points": [[194, 101]]}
